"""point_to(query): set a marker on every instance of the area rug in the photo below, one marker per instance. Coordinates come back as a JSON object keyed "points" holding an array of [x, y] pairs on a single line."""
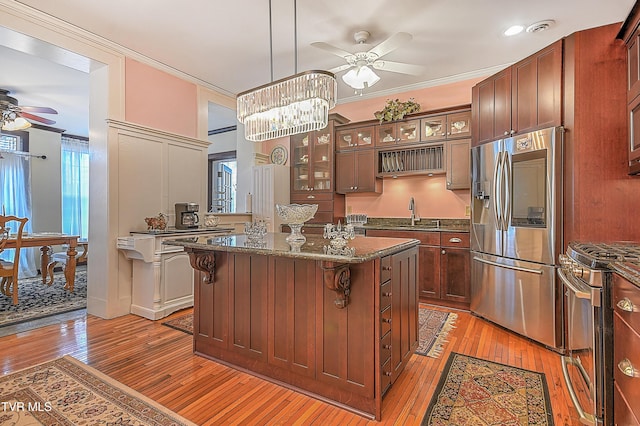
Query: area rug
{"points": [[37, 300], [182, 323], [473, 391], [67, 392], [433, 328]]}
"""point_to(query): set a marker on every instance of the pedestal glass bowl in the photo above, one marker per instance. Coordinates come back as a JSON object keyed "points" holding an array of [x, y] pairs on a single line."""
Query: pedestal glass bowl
{"points": [[295, 215]]}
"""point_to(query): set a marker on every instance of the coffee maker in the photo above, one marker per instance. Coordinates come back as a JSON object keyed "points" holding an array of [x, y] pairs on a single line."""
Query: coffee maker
{"points": [[187, 215]]}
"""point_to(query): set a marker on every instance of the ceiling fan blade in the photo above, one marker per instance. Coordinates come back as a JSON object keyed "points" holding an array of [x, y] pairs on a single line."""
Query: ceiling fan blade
{"points": [[331, 49], [46, 110], [37, 118], [392, 43], [399, 67], [340, 68]]}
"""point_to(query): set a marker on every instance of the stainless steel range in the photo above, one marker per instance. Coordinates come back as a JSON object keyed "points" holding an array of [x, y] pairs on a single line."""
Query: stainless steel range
{"points": [[588, 367]]}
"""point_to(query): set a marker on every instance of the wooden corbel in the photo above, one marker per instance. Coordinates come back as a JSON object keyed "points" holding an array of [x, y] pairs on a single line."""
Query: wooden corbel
{"points": [[338, 279], [204, 261]]}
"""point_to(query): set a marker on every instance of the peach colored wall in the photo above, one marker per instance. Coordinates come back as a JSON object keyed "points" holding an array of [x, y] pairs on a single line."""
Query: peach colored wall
{"points": [[159, 100], [431, 196], [432, 200]]}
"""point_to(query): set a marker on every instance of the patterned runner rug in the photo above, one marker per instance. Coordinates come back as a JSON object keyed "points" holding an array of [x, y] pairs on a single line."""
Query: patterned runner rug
{"points": [[433, 329], [67, 392], [37, 300], [472, 391]]}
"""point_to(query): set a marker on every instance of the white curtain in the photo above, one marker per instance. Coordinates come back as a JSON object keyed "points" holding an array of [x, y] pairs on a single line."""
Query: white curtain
{"points": [[15, 195], [75, 187]]}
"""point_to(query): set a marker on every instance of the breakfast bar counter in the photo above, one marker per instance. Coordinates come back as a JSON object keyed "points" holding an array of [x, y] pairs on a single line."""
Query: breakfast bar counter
{"points": [[338, 324]]}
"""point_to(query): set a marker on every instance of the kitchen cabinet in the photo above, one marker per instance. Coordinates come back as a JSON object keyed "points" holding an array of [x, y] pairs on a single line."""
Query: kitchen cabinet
{"points": [[354, 138], [398, 132], [458, 158], [444, 264], [455, 261], [398, 314], [626, 349], [524, 97], [270, 187], [355, 172], [630, 34], [312, 172], [439, 127]]}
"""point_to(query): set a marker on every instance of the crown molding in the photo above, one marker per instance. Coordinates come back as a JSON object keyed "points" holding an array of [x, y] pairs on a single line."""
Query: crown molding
{"points": [[27, 13]]}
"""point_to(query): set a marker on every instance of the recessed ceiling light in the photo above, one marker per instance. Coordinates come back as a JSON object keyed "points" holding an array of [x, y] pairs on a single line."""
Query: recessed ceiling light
{"points": [[513, 30]]}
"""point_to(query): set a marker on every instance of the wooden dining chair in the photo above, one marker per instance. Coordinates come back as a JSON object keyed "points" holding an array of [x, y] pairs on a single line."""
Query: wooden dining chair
{"points": [[9, 270]]}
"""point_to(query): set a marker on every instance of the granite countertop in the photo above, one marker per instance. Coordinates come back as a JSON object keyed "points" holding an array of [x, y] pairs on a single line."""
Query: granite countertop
{"points": [[404, 224], [360, 249], [174, 231], [629, 270]]}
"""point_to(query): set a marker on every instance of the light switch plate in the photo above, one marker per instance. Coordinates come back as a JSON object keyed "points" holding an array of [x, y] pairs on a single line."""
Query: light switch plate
{"points": [[467, 210]]}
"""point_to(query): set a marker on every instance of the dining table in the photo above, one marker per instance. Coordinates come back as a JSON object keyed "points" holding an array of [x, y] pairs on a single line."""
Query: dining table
{"points": [[45, 240]]}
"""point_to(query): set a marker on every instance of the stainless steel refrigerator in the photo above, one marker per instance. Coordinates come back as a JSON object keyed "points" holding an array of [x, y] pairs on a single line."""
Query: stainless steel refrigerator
{"points": [[516, 233]]}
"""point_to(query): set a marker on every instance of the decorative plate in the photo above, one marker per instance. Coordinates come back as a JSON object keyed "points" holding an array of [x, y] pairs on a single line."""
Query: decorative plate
{"points": [[279, 155]]}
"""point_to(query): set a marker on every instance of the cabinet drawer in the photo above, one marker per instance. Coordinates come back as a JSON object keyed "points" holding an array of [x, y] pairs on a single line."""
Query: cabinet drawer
{"points": [[455, 239], [626, 301], [627, 357], [385, 349], [323, 216], [385, 376], [385, 295], [429, 238], [622, 413], [385, 321], [311, 197], [385, 266]]}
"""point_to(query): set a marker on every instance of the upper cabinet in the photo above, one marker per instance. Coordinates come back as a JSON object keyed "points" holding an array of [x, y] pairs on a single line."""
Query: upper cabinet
{"points": [[524, 97], [630, 33], [352, 138], [446, 126], [399, 132]]}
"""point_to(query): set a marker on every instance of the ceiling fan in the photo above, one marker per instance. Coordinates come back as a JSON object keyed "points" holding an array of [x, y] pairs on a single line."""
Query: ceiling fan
{"points": [[365, 58], [14, 117]]}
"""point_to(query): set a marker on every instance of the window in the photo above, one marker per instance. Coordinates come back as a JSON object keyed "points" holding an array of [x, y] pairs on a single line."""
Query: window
{"points": [[75, 186], [222, 182], [15, 191]]}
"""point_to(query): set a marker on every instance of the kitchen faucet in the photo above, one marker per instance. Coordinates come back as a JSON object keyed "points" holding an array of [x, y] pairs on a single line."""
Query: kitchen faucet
{"points": [[412, 209]]}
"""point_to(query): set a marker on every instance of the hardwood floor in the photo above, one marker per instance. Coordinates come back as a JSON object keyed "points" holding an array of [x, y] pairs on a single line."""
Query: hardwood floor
{"points": [[158, 362]]}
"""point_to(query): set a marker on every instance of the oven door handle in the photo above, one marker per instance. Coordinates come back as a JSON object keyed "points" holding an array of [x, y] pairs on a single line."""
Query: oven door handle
{"points": [[580, 294], [516, 268], [585, 418]]}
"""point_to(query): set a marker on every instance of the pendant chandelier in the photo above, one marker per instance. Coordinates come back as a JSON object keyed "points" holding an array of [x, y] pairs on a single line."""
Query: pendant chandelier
{"points": [[289, 106]]}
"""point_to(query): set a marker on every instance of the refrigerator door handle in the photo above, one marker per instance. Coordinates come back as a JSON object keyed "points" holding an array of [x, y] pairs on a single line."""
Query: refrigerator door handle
{"points": [[497, 191], [515, 268], [506, 180]]}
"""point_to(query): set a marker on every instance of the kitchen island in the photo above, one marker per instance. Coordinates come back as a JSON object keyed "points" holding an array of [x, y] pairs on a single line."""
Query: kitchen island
{"points": [[336, 324]]}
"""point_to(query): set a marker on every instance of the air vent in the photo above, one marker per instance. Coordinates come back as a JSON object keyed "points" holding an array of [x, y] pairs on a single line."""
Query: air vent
{"points": [[540, 26]]}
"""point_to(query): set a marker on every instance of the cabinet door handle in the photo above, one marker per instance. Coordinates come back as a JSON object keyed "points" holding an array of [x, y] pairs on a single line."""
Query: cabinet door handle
{"points": [[444, 251], [386, 268], [506, 133], [388, 373], [386, 346], [628, 369], [386, 294], [455, 240], [387, 320], [627, 305]]}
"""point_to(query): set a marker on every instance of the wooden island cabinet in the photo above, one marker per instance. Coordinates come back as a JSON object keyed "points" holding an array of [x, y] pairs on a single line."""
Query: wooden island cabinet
{"points": [[339, 327]]}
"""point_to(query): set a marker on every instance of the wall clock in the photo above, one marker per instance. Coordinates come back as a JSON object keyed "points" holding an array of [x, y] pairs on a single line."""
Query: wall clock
{"points": [[279, 155]]}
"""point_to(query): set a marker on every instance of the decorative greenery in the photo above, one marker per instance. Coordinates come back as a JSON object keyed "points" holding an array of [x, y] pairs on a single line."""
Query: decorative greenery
{"points": [[396, 110]]}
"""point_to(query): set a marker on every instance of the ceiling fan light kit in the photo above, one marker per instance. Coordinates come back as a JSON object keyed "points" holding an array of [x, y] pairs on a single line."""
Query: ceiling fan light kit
{"points": [[15, 117], [293, 105], [361, 77]]}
